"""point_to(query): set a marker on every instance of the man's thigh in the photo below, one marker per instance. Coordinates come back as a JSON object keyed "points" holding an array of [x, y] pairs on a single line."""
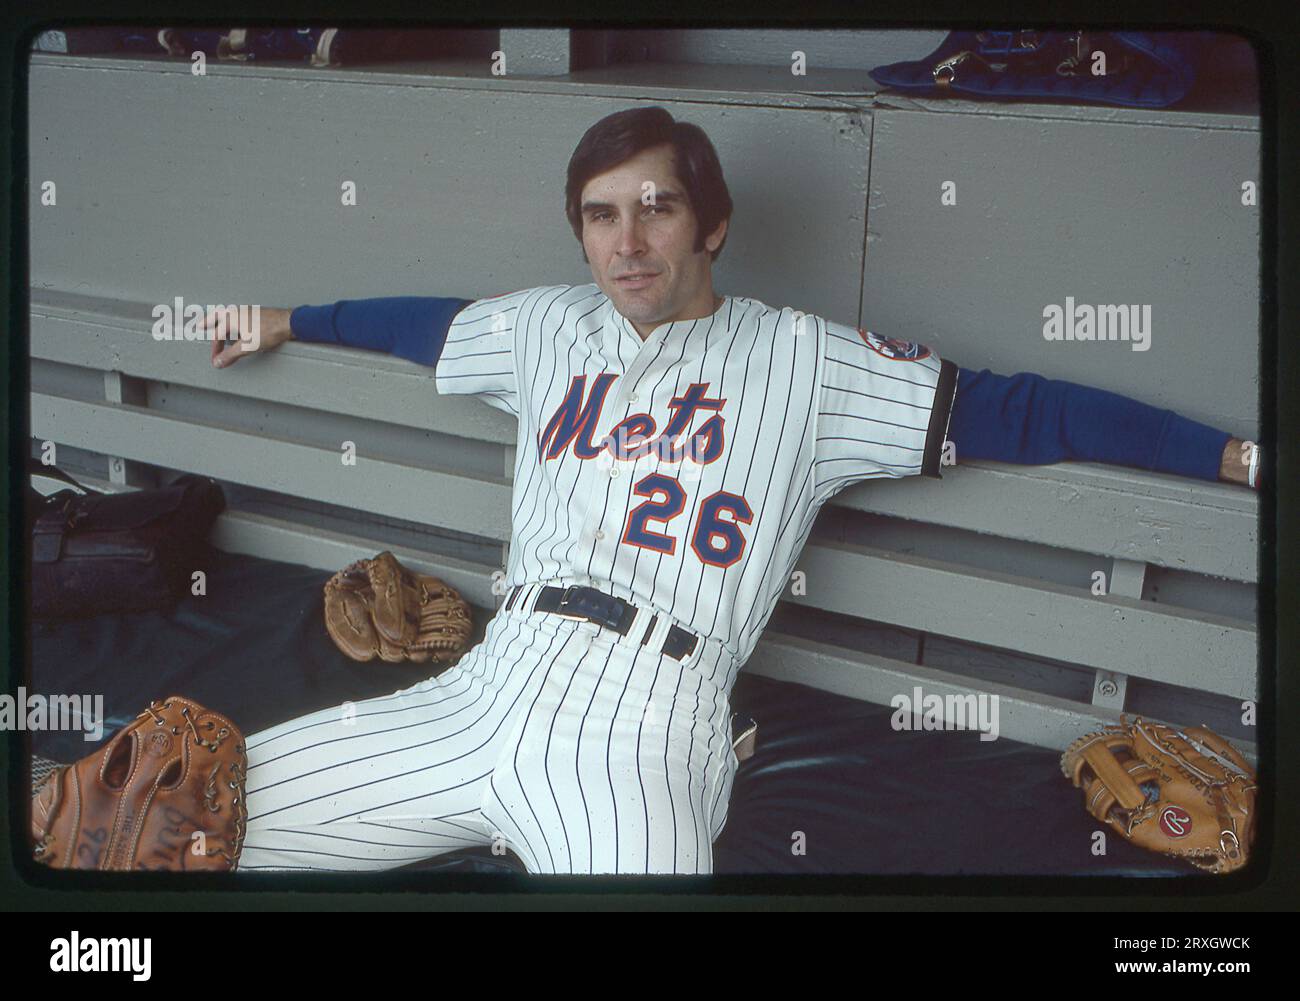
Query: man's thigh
{"points": [[382, 782], [620, 764]]}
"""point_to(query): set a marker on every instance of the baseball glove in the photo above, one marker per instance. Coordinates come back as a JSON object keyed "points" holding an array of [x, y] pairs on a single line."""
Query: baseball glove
{"points": [[1186, 793], [165, 793], [379, 608]]}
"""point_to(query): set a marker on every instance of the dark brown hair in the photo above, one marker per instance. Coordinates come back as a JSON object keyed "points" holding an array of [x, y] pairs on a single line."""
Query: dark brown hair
{"points": [[622, 135]]}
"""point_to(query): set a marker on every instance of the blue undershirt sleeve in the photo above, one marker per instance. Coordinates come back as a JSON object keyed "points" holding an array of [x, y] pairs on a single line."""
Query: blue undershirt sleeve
{"points": [[411, 327], [1026, 418]]}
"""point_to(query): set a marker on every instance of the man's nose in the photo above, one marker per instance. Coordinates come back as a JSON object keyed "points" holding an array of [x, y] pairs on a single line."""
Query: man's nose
{"points": [[631, 237]]}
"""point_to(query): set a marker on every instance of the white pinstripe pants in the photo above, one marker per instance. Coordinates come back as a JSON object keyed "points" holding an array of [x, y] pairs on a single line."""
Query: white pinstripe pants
{"points": [[578, 753]]}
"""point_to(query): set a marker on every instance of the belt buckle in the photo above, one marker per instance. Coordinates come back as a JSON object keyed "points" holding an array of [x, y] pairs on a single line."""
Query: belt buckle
{"points": [[564, 600]]}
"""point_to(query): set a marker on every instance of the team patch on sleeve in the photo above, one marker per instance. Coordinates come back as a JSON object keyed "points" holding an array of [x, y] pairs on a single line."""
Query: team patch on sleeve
{"points": [[893, 348]]}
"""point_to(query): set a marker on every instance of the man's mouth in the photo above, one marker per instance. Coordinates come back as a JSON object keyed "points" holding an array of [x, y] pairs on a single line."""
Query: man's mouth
{"points": [[639, 280]]}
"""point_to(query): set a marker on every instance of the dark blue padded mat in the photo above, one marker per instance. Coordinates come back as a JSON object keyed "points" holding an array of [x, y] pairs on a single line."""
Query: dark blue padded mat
{"points": [[866, 799]]}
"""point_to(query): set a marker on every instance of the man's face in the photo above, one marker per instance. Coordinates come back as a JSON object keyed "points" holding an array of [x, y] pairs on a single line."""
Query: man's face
{"points": [[623, 235]]}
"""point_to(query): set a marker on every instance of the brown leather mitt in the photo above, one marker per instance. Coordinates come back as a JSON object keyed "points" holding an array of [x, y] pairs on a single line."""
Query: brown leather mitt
{"points": [[165, 793], [379, 608], [1186, 793]]}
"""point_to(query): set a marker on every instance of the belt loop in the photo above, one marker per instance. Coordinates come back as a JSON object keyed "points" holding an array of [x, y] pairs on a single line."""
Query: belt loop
{"points": [[659, 634], [633, 636]]}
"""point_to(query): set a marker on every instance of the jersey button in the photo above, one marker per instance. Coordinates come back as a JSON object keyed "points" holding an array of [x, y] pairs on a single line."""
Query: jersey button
{"points": [[599, 535], [613, 471], [632, 398]]}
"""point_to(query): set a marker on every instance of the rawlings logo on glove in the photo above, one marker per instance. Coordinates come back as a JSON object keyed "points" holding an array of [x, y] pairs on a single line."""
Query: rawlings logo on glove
{"points": [[1186, 793], [379, 608]]}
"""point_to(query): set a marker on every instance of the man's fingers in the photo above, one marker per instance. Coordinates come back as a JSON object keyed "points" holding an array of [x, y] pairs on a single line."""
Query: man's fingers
{"points": [[226, 353], [219, 345], [222, 327]]}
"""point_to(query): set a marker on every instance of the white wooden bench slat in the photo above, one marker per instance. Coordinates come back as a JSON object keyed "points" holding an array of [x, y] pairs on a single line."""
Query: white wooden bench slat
{"points": [[1169, 521], [1023, 715], [113, 335], [477, 505], [1116, 633]]}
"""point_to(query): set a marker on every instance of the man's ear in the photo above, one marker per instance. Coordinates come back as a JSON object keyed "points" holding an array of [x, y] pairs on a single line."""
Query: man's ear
{"points": [[714, 240]]}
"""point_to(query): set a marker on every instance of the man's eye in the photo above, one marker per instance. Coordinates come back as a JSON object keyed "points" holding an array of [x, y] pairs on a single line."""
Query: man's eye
{"points": [[658, 209]]}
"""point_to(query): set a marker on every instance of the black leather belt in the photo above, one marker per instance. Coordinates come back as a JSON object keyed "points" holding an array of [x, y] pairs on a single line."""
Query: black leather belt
{"points": [[593, 605]]}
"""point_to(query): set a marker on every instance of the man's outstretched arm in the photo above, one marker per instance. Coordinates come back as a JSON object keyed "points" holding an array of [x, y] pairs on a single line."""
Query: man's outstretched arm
{"points": [[1026, 418], [411, 327]]}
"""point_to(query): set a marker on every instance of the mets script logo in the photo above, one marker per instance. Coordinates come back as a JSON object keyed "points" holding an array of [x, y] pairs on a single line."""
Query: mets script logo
{"points": [[574, 423], [1175, 821], [893, 348]]}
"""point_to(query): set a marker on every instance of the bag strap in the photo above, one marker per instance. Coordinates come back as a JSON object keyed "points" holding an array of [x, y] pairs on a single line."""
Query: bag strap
{"points": [[37, 468]]}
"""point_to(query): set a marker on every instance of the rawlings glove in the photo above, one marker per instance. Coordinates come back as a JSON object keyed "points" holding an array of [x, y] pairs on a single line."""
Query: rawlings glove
{"points": [[165, 793], [1186, 793], [379, 608]]}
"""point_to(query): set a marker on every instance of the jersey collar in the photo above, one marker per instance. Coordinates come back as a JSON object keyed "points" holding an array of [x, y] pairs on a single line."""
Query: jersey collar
{"points": [[667, 330]]}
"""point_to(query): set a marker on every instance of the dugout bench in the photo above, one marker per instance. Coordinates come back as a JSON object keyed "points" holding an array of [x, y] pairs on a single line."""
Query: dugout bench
{"points": [[980, 583]]}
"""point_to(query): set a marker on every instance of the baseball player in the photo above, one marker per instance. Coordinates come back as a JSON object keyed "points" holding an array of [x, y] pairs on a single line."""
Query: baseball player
{"points": [[675, 445]]}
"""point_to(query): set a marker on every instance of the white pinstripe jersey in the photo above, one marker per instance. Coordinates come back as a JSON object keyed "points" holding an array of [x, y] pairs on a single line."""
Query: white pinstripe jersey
{"points": [[770, 412]]}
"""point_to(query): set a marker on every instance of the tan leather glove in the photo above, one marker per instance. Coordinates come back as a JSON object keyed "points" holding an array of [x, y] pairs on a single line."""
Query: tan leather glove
{"points": [[1186, 793], [165, 793], [379, 608]]}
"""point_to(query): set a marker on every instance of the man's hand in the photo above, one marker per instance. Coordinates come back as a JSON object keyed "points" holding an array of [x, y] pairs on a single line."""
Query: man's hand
{"points": [[1235, 466], [229, 343]]}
